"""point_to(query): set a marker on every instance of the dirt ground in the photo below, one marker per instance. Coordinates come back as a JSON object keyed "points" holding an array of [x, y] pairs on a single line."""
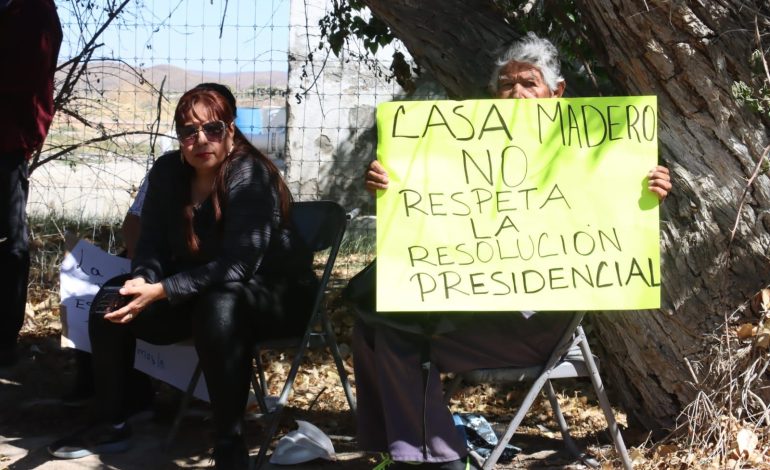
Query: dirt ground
{"points": [[31, 417]]}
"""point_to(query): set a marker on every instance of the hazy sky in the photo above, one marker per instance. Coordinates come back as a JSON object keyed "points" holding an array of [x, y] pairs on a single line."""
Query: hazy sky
{"points": [[185, 33]]}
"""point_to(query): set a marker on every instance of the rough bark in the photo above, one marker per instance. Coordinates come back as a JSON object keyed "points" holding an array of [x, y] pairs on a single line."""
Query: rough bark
{"points": [[455, 40], [688, 54]]}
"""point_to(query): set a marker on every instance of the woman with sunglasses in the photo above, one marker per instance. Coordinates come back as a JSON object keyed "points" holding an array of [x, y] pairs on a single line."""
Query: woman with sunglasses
{"points": [[217, 261]]}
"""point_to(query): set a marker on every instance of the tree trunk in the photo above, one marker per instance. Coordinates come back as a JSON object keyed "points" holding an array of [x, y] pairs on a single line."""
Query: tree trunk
{"points": [[688, 54], [456, 41]]}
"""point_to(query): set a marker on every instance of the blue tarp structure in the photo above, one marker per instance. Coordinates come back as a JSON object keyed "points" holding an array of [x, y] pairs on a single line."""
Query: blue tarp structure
{"points": [[249, 121]]}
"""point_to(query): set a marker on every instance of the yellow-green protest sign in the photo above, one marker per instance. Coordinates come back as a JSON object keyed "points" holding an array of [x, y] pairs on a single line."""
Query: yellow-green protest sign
{"points": [[505, 205]]}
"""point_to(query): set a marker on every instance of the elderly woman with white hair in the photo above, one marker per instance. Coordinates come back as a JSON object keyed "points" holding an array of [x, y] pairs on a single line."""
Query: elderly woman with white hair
{"points": [[398, 362]]}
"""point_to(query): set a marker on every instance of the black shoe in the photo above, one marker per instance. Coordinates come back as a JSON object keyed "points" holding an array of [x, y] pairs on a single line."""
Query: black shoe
{"points": [[101, 439], [231, 454]]}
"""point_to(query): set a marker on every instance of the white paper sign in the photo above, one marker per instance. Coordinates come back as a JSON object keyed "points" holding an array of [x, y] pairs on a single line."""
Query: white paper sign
{"points": [[83, 272]]}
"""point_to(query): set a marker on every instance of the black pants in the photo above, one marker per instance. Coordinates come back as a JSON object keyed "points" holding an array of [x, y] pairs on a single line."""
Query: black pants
{"points": [[223, 321], [14, 248]]}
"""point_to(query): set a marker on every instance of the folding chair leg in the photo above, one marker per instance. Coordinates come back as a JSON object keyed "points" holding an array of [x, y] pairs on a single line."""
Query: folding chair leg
{"points": [[275, 420], [259, 383], [604, 402], [529, 399], [344, 378], [569, 443], [271, 430], [332, 344], [261, 371], [258, 386], [534, 390], [183, 406], [278, 410], [282, 399]]}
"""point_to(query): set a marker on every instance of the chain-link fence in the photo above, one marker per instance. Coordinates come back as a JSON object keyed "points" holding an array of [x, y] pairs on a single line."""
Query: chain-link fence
{"points": [[310, 111], [124, 64]]}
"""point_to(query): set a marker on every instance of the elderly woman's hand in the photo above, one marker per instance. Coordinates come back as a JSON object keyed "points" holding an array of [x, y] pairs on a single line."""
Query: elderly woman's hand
{"points": [[376, 177], [143, 295], [659, 181]]}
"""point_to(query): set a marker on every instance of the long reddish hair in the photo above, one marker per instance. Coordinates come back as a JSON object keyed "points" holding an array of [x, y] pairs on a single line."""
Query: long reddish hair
{"points": [[221, 105]]}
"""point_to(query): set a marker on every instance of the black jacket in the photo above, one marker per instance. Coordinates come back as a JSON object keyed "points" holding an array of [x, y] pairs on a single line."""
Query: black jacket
{"points": [[249, 240]]}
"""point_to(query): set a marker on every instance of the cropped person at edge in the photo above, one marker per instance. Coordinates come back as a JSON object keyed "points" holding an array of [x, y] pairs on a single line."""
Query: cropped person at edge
{"points": [[218, 261], [401, 411], [30, 37]]}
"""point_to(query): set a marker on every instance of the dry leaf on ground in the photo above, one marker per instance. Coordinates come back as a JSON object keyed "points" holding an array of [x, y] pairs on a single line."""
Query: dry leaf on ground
{"points": [[746, 330]]}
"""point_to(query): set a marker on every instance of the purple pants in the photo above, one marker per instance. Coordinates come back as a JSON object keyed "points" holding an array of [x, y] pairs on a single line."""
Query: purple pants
{"points": [[401, 404]]}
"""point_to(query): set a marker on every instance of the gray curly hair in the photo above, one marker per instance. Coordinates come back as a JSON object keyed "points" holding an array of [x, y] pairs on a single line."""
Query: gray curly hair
{"points": [[533, 50]]}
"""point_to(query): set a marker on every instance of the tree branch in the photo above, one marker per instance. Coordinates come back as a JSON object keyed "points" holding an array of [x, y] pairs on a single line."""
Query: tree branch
{"points": [[72, 147]]}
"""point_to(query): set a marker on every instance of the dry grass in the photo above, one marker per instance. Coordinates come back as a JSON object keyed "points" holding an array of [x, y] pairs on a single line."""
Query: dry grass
{"points": [[726, 425]]}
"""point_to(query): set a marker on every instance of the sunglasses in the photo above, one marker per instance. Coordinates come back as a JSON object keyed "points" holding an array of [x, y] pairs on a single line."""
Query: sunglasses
{"points": [[214, 130]]}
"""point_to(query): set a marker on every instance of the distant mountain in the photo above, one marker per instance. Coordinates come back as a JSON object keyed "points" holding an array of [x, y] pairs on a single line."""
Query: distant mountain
{"points": [[181, 80], [113, 76]]}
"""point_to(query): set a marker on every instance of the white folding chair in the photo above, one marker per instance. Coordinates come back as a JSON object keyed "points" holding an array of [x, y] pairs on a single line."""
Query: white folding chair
{"points": [[572, 357]]}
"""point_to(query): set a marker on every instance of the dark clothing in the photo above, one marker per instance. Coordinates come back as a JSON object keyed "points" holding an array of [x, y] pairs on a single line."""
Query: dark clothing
{"points": [[14, 249], [30, 36], [400, 405], [252, 279], [224, 321], [250, 240]]}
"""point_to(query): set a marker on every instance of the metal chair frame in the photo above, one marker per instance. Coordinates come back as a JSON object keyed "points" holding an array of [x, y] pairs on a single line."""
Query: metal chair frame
{"points": [[571, 358]]}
